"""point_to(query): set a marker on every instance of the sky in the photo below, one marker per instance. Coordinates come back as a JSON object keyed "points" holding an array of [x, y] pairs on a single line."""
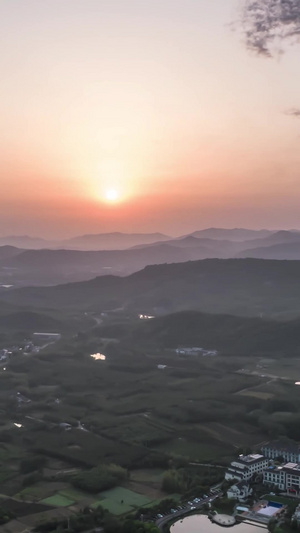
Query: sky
{"points": [[142, 115]]}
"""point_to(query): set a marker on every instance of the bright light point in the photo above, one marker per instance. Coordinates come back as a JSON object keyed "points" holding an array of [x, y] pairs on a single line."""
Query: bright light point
{"points": [[98, 356], [112, 195]]}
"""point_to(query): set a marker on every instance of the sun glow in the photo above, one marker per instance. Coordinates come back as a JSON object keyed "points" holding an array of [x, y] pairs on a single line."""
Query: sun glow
{"points": [[112, 195]]}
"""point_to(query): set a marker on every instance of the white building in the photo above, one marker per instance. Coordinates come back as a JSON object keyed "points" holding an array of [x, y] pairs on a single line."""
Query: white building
{"points": [[285, 477], [239, 491], [288, 450], [246, 466]]}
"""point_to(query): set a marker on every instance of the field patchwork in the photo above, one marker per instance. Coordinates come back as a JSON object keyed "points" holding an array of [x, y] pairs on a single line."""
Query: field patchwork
{"points": [[120, 500], [58, 501]]}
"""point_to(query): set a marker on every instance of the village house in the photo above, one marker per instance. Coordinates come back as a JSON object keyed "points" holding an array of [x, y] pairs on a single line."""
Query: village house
{"points": [[239, 491]]}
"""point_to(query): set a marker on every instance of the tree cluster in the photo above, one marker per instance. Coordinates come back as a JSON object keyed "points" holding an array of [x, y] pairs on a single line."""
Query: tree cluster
{"points": [[100, 478]]}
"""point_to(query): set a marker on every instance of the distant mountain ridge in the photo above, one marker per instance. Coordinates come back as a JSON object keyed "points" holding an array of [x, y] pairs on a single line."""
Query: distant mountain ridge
{"points": [[114, 241], [98, 241], [235, 234], [54, 266], [119, 240], [283, 251]]}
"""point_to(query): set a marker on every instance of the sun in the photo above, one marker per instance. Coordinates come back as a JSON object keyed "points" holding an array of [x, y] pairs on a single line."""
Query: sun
{"points": [[112, 195]]}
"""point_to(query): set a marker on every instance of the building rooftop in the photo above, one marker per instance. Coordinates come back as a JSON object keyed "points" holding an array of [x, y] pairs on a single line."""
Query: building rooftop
{"points": [[293, 468], [241, 485], [250, 459], [283, 445]]}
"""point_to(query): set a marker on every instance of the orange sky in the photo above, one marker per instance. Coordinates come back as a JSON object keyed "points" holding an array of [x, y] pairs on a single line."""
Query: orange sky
{"points": [[157, 100]]}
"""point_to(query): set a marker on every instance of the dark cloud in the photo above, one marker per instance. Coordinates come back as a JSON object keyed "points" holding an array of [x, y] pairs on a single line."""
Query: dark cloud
{"points": [[267, 23], [293, 112]]}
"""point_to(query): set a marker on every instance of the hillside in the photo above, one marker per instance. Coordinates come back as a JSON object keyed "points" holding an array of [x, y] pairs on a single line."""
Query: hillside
{"points": [[247, 287], [7, 252], [29, 321], [225, 333], [50, 267]]}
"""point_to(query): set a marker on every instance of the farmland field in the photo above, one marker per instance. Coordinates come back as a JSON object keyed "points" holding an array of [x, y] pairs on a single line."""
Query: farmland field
{"points": [[58, 501], [114, 507], [128, 497], [119, 500]]}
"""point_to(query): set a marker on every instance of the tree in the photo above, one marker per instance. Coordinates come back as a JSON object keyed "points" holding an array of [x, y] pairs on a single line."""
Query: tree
{"points": [[267, 23], [272, 524], [31, 464]]}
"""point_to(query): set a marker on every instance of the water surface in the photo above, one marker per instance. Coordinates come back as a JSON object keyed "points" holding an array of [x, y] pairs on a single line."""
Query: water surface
{"points": [[202, 524]]}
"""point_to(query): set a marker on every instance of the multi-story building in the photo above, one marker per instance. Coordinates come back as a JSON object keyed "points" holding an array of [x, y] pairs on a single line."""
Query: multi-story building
{"points": [[274, 476], [288, 450], [246, 466], [285, 477]]}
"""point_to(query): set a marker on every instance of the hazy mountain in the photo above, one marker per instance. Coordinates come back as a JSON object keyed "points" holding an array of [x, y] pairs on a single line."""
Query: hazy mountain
{"points": [[25, 241], [7, 252], [235, 234], [248, 287], [276, 238], [57, 266], [217, 248], [121, 241], [53, 266], [101, 241], [289, 251], [113, 241]]}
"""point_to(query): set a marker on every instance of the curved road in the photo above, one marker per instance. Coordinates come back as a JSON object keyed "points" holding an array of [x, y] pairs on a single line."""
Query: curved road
{"points": [[161, 522]]}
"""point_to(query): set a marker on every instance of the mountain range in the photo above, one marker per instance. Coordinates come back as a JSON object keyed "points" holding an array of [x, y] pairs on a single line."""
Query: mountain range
{"points": [[101, 241], [121, 241], [23, 267]]}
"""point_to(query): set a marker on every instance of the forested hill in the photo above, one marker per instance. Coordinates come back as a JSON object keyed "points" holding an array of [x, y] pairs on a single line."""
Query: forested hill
{"points": [[248, 287], [225, 333]]}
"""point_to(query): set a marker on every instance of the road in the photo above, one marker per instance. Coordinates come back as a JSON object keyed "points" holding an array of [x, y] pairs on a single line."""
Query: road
{"points": [[161, 522], [210, 465]]}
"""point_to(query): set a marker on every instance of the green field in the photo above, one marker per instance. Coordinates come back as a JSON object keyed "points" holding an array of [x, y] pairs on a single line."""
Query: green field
{"points": [[74, 494], [120, 501], [113, 507], [280, 499], [58, 501], [128, 497]]}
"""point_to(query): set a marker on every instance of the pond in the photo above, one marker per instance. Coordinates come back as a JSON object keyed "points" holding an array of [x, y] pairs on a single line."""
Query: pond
{"points": [[202, 524]]}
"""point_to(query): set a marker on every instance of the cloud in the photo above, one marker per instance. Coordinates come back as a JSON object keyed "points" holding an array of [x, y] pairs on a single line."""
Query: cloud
{"points": [[267, 23], [293, 112]]}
